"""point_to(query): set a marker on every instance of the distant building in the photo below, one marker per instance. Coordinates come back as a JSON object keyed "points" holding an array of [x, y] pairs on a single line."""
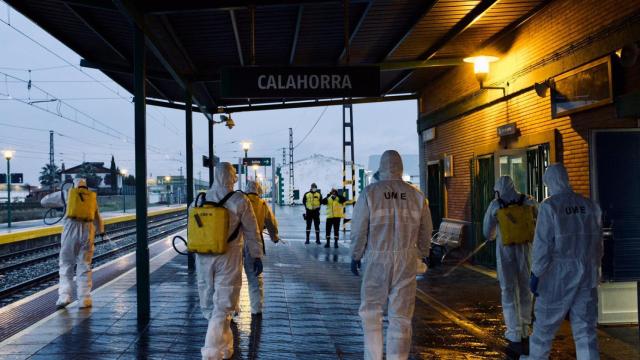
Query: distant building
{"points": [[98, 168]]}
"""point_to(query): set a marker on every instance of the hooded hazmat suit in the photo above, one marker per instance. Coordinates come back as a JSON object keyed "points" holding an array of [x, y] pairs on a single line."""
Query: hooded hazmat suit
{"points": [[514, 265], [268, 220], [76, 249], [220, 276], [391, 228], [567, 252]]}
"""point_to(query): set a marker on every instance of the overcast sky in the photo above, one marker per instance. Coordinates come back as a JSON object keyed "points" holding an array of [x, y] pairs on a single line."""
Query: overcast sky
{"points": [[97, 116]]}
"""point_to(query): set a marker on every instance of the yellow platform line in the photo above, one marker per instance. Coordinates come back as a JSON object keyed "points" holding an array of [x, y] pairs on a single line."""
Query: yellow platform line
{"points": [[28, 234]]}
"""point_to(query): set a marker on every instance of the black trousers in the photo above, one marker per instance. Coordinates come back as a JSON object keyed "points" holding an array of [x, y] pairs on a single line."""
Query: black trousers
{"points": [[313, 216], [335, 224]]}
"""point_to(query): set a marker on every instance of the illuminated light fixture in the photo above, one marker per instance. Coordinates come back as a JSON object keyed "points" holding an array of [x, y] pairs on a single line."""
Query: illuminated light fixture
{"points": [[481, 67], [8, 154], [246, 145], [124, 172]]}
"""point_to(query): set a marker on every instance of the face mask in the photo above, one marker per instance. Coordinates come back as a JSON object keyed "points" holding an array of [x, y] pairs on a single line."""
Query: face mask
{"points": [[313, 189]]}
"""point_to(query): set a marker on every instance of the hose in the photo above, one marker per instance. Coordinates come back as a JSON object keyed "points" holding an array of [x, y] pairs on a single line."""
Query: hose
{"points": [[173, 243], [52, 211]]}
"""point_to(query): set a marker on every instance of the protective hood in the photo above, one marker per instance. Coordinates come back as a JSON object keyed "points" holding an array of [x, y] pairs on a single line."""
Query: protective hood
{"points": [[390, 166], [506, 189], [225, 178], [254, 187], [79, 182], [556, 179]]}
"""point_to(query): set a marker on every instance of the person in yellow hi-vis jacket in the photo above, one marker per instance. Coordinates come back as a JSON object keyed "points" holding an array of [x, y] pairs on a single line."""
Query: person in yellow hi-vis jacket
{"points": [[510, 219], [265, 219], [335, 213], [81, 222]]}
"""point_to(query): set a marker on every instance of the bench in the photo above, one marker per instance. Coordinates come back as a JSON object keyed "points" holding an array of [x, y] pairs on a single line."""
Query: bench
{"points": [[446, 239]]}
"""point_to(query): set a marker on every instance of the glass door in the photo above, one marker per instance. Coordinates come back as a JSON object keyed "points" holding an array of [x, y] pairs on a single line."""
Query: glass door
{"points": [[513, 163]]}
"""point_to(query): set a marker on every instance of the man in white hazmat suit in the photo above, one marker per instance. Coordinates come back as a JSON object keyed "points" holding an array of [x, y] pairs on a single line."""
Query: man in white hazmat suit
{"points": [[220, 276], [514, 266], [391, 229], [76, 249], [265, 219], [567, 251]]}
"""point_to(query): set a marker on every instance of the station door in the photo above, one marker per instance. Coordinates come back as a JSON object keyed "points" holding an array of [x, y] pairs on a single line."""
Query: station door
{"points": [[434, 193], [482, 181], [617, 189]]}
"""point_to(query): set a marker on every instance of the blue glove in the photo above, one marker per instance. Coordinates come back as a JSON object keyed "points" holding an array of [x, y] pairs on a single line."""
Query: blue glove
{"points": [[257, 266], [533, 284], [355, 265]]}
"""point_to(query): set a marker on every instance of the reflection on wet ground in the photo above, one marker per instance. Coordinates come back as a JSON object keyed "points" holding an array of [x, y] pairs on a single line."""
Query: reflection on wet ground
{"points": [[311, 312]]}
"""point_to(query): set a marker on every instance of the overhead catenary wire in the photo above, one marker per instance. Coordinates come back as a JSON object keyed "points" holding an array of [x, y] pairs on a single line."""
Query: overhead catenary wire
{"points": [[313, 127]]}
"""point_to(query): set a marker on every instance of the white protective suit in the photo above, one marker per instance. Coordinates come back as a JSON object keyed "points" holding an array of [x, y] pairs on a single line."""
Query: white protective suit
{"points": [[567, 252], [514, 265], [391, 228], [76, 249], [220, 276], [256, 285]]}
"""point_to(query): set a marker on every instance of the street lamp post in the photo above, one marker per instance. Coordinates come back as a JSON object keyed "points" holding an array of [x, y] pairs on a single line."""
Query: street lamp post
{"points": [[124, 173], [255, 172], [8, 154], [246, 145], [167, 180]]}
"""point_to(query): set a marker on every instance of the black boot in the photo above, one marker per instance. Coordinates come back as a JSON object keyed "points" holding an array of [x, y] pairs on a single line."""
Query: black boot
{"points": [[318, 237], [335, 243], [328, 244], [306, 242]]}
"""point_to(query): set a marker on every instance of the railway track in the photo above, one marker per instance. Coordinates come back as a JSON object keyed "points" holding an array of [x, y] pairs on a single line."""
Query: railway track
{"points": [[158, 230], [24, 258]]}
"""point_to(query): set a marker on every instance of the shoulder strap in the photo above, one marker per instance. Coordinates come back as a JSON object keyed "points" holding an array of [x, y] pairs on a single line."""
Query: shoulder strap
{"points": [[502, 203], [521, 200], [226, 197], [203, 197], [235, 233]]}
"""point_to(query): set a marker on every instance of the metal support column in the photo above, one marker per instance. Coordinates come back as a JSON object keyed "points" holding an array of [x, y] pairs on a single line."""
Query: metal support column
{"points": [[191, 262], [274, 187], [142, 245], [347, 145], [211, 159], [291, 177]]}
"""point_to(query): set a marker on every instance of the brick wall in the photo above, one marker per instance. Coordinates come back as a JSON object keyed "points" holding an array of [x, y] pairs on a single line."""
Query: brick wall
{"points": [[560, 24]]}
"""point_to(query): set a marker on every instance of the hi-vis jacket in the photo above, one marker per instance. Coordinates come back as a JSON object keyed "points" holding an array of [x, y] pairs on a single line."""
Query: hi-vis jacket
{"points": [[335, 206], [311, 200]]}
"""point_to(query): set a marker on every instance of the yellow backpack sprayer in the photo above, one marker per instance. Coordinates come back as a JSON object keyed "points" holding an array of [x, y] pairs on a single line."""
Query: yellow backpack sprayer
{"points": [[208, 227], [516, 222]]}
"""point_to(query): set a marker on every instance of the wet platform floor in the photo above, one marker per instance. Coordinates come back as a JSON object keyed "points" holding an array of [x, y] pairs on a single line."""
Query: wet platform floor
{"points": [[311, 312]]}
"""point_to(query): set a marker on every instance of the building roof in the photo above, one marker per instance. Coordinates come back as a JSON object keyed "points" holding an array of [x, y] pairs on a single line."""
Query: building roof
{"points": [[188, 41], [98, 166]]}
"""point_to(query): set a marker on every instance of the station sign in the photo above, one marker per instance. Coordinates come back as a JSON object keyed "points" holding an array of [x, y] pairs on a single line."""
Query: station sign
{"points": [[297, 82], [207, 163], [16, 178], [507, 130], [250, 161]]}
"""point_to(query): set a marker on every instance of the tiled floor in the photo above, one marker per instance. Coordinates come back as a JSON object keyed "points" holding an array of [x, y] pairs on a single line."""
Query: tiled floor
{"points": [[311, 312]]}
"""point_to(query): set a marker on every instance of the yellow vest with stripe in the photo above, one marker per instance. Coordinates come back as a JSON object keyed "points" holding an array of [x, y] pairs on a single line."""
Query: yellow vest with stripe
{"points": [[312, 200], [334, 208], [258, 209]]}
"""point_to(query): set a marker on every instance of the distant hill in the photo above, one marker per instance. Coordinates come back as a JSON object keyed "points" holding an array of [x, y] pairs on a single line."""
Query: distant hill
{"points": [[325, 171]]}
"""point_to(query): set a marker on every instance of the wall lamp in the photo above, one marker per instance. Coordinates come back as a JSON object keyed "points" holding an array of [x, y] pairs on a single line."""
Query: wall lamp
{"points": [[481, 65]]}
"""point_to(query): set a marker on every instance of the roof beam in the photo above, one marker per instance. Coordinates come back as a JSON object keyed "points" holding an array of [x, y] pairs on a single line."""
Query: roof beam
{"points": [[415, 21], [129, 9], [296, 34], [355, 30], [172, 6], [98, 33], [236, 35], [456, 30], [288, 105]]}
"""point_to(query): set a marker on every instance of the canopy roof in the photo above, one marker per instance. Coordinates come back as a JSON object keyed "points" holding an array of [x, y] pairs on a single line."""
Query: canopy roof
{"points": [[188, 41]]}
